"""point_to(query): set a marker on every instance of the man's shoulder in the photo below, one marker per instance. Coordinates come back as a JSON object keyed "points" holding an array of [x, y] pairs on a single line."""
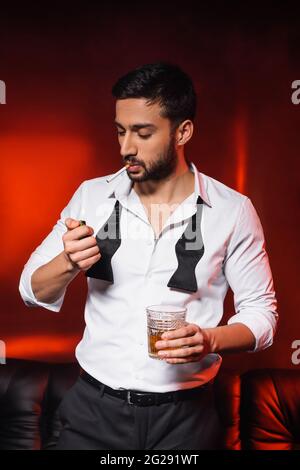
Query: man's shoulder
{"points": [[221, 194]]}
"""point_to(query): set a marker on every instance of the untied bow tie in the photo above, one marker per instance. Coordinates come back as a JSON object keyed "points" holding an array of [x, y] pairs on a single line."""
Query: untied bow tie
{"points": [[189, 250]]}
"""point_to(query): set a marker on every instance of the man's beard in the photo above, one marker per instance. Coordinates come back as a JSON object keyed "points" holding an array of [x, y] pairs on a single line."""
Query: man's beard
{"points": [[163, 167]]}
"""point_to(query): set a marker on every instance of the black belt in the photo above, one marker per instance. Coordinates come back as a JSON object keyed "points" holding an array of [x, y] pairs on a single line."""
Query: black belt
{"points": [[145, 398]]}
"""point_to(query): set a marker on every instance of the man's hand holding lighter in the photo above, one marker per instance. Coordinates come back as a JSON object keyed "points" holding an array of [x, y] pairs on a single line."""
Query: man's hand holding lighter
{"points": [[80, 246]]}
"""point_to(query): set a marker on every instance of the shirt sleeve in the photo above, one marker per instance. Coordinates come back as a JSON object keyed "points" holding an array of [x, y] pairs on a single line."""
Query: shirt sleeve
{"points": [[247, 270], [50, 247]]}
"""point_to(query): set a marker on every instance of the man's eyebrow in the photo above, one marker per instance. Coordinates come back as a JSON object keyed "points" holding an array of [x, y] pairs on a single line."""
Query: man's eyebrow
{"points": [[136, 127]]}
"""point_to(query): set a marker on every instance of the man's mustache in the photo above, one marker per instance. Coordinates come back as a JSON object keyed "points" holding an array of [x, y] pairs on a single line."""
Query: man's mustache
{"points": [[133, 162]]}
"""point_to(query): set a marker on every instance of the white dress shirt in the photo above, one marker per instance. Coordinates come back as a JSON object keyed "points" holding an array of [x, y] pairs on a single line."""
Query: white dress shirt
{"points": [[114, 347]]}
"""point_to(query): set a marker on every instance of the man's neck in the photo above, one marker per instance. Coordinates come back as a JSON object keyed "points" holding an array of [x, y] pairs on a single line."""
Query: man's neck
{"points": [[172, 189]]}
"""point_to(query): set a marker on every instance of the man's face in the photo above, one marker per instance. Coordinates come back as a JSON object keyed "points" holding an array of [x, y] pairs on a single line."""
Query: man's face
{"points": [[145, 139]]}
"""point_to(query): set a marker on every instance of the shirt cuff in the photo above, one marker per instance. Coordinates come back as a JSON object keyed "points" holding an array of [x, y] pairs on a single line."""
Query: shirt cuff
{"points": [[28, 296], [262, 325]]}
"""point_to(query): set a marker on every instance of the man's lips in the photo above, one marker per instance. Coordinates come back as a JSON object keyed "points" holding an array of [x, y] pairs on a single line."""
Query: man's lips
{"points": [[134, 167]]}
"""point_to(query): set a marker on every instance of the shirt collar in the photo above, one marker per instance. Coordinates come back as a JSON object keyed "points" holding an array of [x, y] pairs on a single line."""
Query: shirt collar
{"points": [[200, 186], [122, 184]]}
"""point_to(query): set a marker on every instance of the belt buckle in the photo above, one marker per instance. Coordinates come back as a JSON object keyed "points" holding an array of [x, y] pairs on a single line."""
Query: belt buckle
{"points": [[129, 398]]}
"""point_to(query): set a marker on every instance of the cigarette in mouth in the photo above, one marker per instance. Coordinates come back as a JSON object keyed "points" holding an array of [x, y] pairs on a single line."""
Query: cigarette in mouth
{"points": [[110, 178]]}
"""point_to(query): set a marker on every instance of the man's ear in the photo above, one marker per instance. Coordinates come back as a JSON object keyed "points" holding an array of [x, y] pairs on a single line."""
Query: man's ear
{"points": [[184, 132]]}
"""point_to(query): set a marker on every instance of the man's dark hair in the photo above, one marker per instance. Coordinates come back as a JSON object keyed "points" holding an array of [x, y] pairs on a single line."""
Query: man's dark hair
{"points": [[163, 83]]}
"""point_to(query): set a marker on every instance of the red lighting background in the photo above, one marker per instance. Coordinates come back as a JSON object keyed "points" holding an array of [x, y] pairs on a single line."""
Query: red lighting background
{"points": [[56, 130]]}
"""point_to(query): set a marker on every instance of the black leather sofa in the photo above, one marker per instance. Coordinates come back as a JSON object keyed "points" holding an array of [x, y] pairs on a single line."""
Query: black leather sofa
{"points": [[260, 409]]}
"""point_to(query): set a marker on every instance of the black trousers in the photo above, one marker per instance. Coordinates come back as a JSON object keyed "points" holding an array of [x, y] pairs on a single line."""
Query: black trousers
{"points": [[96, 421]]}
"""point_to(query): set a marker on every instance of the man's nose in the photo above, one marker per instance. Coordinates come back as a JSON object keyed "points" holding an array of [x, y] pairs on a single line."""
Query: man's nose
{"points": [[128, 146]]}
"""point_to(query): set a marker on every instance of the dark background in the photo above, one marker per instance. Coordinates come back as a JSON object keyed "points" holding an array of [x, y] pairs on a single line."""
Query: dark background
{"points": [[59, 61]]}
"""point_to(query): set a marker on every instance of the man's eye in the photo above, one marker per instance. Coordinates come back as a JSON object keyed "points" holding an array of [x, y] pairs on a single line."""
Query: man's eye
{"points": [[145, 136]]}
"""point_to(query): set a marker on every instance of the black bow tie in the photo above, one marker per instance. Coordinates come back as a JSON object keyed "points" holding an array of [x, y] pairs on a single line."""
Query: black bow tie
{"points": [[189, 250]]}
